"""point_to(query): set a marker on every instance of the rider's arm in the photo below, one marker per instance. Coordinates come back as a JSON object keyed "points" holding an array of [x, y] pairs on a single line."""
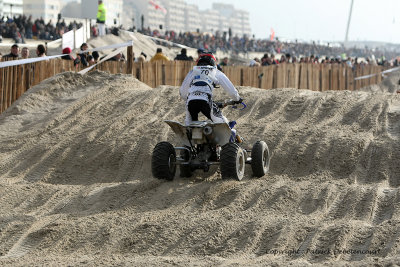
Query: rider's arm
{"points": [[227, 85], [184, 90]]}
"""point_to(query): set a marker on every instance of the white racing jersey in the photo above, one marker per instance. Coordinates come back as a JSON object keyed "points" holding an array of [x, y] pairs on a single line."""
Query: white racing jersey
{"points": [[199, 84], [204, 74]]}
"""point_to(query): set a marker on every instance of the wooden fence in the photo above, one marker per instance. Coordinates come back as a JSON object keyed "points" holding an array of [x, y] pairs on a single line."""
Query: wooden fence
{"points": [[16, 80], [316, 77]]}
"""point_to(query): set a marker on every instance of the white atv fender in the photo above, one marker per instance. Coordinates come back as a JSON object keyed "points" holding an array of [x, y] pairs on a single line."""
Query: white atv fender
{"points": [[216, 133]]}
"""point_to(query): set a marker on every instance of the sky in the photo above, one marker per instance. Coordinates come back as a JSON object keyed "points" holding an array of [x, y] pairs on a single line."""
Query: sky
{"points": [[320, 20]]}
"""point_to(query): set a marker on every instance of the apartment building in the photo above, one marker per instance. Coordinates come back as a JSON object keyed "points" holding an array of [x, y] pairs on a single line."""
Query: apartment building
{"points": [[175, 17], [114, 12], [238, 20], [181, 17], [244, 19], [192, 18], [10, 8], [152, 17], [210, 20], [46, 9]]}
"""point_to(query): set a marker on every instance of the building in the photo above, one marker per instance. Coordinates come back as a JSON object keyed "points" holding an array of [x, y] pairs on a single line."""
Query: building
{"points": [[10, 8], [175, 16], [210, 20], [192, 18], [237, 20], [134, 10], [114, 12], [244, 22], [182, 17], [46, 9]]}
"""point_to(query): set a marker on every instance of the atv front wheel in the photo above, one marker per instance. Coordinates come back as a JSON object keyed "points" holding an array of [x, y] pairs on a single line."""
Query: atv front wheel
{"points": [[232, 161], [260, 159], [163, 161]]}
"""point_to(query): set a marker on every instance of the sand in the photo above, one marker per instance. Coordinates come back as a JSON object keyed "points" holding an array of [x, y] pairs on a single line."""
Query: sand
{"points": [[76, 186], [141, 43]]}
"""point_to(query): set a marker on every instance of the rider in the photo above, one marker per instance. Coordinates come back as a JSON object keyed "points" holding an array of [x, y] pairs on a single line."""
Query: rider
{"points": [[197, 90]]}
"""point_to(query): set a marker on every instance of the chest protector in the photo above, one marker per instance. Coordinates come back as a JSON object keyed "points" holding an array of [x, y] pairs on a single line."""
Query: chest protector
{"points": [[204, 76]]}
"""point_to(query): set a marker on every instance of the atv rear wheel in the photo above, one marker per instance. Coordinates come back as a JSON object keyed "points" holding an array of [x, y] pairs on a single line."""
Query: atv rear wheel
{"points": [[232, 161], [163, 161], [260, 159], [185, 170]]}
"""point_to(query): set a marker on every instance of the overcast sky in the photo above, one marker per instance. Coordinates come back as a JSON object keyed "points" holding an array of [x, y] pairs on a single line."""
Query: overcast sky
{"points": [[326, 20]]}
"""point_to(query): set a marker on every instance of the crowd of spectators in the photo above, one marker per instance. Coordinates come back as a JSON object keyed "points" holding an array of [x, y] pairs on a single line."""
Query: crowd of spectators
{"points": [[84, 58], [226, 42], [269, 59], [17, 53], [22, 27]]}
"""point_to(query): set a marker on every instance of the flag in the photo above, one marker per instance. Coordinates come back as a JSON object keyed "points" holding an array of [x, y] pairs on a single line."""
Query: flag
{"points": [[157, 6], [272, 36]]}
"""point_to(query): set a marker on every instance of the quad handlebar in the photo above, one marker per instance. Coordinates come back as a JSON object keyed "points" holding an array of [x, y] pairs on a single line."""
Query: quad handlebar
{"points": [[232, 103]]}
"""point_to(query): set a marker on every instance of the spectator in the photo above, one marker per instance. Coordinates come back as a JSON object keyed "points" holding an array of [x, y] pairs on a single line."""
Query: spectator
{"points": [[96, 56], [159, 56], [199, 52], [25, 53], [90, 60], [274, 61], [349, 63], [101, 18], [183, 56], [265, 61], [68, 56], [288, 58], [117, 57], [14, 54], [142, 57], [255, 62], [41, 51], [83, 56], [224, 62], [67, 52], [16, 35]]}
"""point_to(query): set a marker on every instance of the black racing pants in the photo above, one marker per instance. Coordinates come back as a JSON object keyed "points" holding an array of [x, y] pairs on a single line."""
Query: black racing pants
{"points": [[208, 108]]}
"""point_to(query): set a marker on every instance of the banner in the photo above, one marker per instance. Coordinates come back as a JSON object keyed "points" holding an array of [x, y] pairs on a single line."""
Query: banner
{"points": [[158, 7], [79, 37], [68, 40], [372, 75]]}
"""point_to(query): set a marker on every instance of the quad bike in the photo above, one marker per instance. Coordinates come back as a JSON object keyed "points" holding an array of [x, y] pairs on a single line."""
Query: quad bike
{"points": [[204, 143]]}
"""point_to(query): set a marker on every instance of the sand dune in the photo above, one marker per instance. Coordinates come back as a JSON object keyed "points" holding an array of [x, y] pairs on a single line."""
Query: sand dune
{"points": [[141, 43], [76, 185]]}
